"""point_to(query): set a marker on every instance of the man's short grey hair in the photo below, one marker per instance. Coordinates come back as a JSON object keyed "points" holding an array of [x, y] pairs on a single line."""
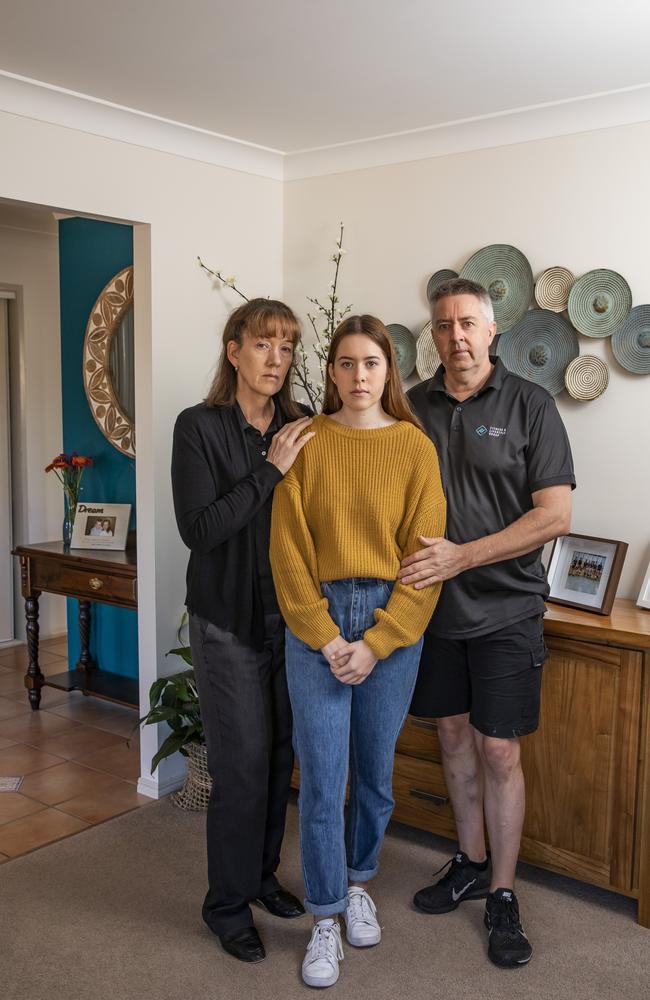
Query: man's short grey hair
{"points": [[463, 286]]}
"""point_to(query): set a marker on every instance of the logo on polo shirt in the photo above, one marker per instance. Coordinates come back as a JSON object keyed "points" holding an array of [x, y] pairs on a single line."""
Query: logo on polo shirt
{"points": [[493, 432]]}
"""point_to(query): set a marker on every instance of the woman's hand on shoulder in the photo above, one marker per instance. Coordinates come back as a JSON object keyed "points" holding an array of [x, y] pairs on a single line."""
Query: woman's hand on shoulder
{"points": [[354, 664], [287, 444]]}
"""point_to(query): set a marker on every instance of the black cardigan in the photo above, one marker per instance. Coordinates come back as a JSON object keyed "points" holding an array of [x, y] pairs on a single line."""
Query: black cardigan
{"points": [[216, 497]]}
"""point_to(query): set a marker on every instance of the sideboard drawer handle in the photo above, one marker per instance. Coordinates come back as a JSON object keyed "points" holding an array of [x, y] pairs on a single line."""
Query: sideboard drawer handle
{"points": [[424, 724], [96, 583], [438, 800]]}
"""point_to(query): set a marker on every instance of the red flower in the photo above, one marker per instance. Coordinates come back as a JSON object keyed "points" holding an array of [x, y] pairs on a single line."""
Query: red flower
{"points": [[81, 460]]}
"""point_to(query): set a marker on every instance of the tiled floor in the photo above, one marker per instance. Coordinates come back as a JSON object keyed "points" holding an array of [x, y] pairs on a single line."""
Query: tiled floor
{"points": [[72, 754]]}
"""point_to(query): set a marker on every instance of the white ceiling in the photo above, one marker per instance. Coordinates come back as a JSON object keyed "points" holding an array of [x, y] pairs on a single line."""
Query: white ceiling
{"points": [[297, 74]]}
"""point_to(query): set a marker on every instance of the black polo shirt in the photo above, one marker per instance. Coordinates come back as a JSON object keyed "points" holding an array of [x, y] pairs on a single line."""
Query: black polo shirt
{"points": [[495, 449]]}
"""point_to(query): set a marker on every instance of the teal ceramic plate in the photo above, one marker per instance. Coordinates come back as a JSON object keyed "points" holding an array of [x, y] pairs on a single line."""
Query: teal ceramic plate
{"points": [[405, 347], [506, 274], [539, 348], [599, 303], [631, 344]]}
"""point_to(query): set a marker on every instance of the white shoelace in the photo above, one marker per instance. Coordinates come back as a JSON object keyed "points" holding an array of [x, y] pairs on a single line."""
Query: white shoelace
{"points": [[325, 943], [361, 908]]}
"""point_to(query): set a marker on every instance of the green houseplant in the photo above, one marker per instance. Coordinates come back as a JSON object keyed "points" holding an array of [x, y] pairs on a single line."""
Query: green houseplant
{"points": [[174, 699]]}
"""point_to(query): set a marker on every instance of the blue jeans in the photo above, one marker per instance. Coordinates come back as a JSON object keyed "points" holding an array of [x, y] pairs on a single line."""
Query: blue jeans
{"points": [[336, 726]]}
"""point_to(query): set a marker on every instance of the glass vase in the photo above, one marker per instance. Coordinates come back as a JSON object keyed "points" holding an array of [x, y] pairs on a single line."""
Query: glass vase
{"points": [[68, 521]]}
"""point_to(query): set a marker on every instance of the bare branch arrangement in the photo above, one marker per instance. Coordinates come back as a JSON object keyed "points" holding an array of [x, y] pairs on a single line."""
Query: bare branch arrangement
{"points": [[328, 318], [324, 319]]}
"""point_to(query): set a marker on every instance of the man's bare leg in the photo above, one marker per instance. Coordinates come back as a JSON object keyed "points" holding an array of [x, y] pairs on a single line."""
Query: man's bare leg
{"points": [[463, 774], [504, 804]]}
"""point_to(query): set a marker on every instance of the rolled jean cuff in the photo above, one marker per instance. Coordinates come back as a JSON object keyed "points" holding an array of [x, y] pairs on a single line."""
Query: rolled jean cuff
{"points": [[327, 909], [357, 876]]}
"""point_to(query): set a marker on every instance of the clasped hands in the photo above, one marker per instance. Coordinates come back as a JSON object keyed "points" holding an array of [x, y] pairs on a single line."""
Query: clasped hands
{"points": [[350, 662]]}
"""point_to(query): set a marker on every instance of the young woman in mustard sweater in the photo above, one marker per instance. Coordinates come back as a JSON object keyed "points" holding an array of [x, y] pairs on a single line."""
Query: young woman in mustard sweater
{"points": [[353, 504]]}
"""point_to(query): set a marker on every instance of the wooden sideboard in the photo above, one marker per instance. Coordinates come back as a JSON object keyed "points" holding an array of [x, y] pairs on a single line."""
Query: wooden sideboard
{"points": [[89, 575], [587, 767]]}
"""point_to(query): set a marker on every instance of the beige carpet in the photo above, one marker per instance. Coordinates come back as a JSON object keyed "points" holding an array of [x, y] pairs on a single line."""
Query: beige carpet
{"points": [[114, 913]]}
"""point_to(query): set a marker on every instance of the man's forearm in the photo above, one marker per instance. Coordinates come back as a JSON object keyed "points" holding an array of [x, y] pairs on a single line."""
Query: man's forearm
{"points": [[532, 529]]}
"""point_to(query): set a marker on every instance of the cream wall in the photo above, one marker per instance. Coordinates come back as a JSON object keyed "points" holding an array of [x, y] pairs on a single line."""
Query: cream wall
{"points": [[29, 262], [582, 201], [184, 208]]}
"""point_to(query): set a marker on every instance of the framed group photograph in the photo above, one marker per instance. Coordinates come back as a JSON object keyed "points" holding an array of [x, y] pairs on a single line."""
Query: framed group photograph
{"points": [[100, 525], [583, 572]]}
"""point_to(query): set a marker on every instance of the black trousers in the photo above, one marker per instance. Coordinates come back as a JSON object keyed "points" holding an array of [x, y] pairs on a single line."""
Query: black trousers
{"points": [[246, 715]]}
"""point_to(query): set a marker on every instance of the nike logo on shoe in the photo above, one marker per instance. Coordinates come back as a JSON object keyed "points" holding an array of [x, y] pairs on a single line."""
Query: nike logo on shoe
{"points": [[461, 892]]}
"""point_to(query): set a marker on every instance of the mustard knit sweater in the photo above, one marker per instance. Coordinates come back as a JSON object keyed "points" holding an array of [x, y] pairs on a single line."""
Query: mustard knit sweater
{"points": [[353, 505]]}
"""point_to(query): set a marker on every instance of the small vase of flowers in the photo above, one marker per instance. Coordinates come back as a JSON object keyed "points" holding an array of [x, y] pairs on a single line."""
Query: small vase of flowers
{"points": [[69, 469]]}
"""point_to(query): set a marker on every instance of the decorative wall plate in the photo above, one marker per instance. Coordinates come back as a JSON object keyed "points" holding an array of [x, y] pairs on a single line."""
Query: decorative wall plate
{"points": [[631, 344], [586, 377], [539, 348], [437, 279], [599, 302], [103, 326], [506, 274], [405, 347], [553, 287], [428, 358]]}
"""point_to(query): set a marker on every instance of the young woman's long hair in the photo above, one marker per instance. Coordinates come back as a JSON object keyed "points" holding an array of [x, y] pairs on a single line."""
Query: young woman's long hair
{"points": [[266, 318], [393, 400]]}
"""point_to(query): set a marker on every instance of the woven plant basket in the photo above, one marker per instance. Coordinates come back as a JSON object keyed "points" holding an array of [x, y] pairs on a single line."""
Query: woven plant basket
{"points": [[195, 793]]}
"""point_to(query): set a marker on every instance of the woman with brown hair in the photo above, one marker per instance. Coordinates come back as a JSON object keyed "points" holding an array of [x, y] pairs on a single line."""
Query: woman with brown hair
{"points": [[229, 453], [351, 507]]}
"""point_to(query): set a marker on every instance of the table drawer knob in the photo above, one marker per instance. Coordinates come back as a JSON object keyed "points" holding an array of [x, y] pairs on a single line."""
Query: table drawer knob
{"points": [[96, 583], [438, 800]]}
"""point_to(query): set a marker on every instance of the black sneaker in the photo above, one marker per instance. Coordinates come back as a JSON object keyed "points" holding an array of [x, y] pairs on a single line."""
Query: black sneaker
{"points": [[463, 881], [508, 945]]}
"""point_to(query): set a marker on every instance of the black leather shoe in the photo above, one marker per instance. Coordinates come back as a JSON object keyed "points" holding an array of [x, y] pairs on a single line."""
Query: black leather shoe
{"points": [[281, 904], [244, 944]]}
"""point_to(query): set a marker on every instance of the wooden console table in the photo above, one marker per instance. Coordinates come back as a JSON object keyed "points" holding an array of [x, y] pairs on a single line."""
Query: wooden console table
{"points": [[89, 575]]}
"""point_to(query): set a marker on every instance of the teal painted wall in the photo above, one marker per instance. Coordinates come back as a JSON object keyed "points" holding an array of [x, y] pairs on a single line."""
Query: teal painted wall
{"points": [[90, 253]]}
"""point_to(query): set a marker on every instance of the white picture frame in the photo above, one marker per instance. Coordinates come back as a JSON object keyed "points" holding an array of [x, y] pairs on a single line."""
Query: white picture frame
{"points": [[99, 525], [643, 600]]}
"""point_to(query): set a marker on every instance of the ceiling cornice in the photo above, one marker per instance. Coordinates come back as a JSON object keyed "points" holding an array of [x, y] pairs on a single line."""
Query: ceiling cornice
{"points": [[542, 121], [44, 102]]}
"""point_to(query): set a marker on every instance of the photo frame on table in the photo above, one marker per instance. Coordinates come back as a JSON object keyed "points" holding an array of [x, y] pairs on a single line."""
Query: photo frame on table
{"points": [[100, 525], [643, 600], [584, 571]]}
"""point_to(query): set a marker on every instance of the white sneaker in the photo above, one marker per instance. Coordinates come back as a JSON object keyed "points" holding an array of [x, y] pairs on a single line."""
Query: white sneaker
{"points": [[321, 963], [361, 926]]}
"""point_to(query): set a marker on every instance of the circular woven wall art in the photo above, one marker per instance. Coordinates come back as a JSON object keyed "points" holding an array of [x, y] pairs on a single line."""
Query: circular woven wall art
{"points": [[553, 287], [539, 348], [586, 377], [428, 358], [506, 274], [404, 347], [599, 302], [631, 344], [437, 279]]}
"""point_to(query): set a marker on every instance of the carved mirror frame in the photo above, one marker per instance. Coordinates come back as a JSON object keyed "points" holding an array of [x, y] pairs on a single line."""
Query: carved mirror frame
{"points": [[103, 324]]}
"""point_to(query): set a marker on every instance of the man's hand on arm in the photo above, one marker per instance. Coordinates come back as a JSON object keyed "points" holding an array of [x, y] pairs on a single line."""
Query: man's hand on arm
{"points": [[440, 560]]}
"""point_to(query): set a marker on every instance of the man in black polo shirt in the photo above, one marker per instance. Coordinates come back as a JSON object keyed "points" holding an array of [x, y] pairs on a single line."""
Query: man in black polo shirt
{"points": [[507, 472]]}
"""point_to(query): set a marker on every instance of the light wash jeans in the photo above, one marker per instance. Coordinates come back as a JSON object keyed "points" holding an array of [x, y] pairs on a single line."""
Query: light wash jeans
{"points": [[337, 725]]}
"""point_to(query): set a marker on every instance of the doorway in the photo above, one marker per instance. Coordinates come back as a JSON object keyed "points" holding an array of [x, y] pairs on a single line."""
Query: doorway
{"points": [[6, 532]]}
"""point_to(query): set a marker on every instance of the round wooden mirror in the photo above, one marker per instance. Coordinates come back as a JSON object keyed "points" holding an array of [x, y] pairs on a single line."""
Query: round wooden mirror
{"points": [[108, 363]]}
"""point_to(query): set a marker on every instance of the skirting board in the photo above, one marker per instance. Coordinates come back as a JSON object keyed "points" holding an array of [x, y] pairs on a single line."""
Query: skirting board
{"points": [[157, 789]]}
